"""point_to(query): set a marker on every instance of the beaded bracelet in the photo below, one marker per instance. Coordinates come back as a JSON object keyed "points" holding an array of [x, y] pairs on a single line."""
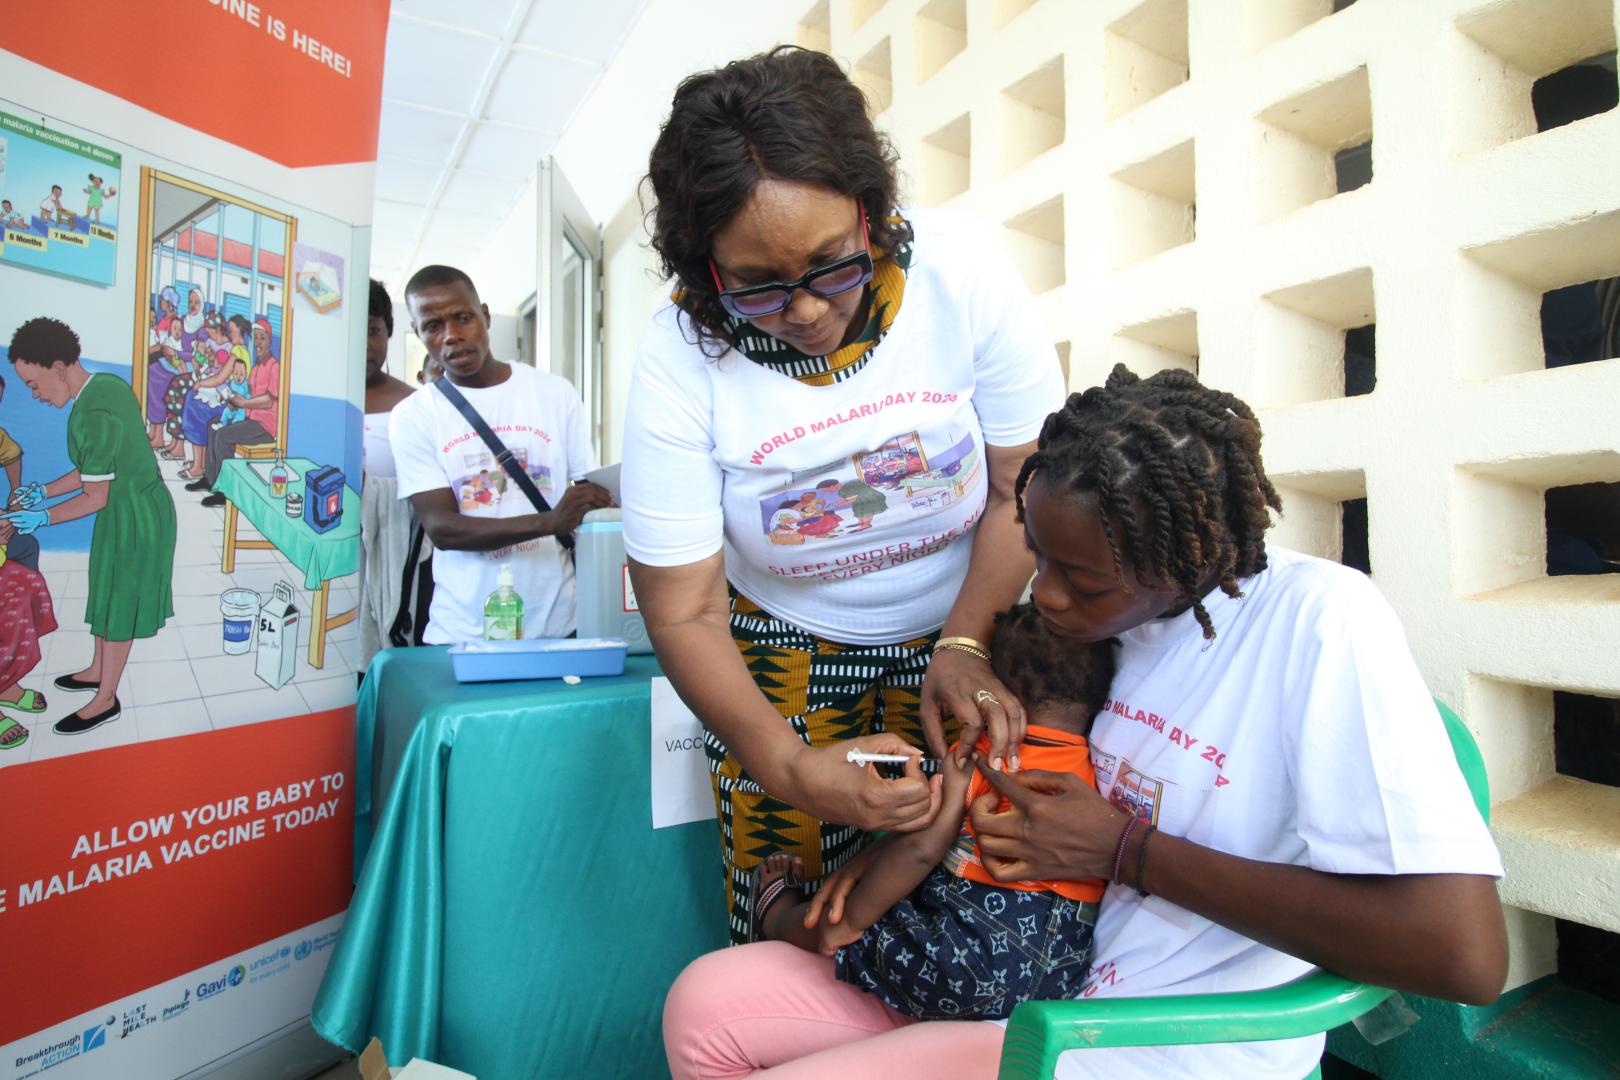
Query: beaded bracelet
{"points": [[1119, 853], [1141, 859]]}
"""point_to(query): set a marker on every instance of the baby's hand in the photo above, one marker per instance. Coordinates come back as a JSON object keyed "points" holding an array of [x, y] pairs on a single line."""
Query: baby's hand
{"points": [[954, 777]]}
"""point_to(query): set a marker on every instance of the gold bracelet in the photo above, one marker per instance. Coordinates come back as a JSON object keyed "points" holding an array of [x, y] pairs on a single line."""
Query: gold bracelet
{"points": [[964, 644]]}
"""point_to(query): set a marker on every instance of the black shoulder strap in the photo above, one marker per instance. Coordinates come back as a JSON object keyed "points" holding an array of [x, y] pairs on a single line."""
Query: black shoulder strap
{"points": [[399, 631], [503, 456]]}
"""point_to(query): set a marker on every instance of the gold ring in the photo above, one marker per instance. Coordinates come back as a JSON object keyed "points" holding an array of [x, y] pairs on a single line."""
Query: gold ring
{"points": [[983, 696]]}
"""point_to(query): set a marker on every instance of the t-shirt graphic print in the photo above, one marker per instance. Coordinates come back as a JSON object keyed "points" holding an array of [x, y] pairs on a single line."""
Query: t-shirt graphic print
{"points": [[483, 484], [884, 486]]}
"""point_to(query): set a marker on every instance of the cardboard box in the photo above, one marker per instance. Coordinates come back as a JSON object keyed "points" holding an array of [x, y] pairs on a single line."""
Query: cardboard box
{"points": [[374, 1066], [277, 657]]}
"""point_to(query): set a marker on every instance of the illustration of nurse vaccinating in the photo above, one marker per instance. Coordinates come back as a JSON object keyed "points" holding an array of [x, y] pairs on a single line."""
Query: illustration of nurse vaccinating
{"points": [[116, 478]]}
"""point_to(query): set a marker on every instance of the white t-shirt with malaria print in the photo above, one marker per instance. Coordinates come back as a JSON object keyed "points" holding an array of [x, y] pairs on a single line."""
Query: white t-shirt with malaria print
{"points": [[541, 420], [847, 510]]}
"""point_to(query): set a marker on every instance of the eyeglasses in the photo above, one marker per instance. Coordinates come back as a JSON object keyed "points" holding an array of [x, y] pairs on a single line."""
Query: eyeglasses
{"points": [[826, 281]]}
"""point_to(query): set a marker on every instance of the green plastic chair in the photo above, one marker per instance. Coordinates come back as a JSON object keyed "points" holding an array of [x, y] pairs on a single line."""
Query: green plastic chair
{"points": [[1318, 1001]]}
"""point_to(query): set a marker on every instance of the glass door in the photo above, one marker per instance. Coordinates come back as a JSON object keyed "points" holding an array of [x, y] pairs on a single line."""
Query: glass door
{"points": [[568, 337]]}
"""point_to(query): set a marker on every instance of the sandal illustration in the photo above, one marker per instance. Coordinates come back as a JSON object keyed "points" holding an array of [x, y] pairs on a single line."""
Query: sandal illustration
{"points": [[12, 734], [29, 701]]}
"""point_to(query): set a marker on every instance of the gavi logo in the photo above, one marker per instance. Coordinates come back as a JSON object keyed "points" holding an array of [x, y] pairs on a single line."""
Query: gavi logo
{"points": [[231, 978]]}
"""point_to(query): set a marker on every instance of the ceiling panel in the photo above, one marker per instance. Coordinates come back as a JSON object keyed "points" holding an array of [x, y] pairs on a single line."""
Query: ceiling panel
{"points": [[395, 219], [417, 134], [452, 228], [539, 91], [432, 65], [484, 16], [507, 151], [475, 94], [591, 31], [406, 181], [481, 192]]}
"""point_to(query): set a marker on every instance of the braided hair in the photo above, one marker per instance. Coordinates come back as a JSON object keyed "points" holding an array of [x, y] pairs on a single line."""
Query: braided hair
{"points": [[1175, 467], [1042, 669]]}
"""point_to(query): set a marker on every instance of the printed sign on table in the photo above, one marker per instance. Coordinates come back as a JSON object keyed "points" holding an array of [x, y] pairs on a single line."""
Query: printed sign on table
{"points": [[680, 770]]}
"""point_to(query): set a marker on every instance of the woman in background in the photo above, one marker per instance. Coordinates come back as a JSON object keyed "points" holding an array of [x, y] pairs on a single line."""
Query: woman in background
{"points": [[387, 524]]}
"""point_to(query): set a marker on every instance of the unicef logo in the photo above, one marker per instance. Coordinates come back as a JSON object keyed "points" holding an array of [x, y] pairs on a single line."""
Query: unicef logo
{"points": [[238, 973], [285, 952], [303, 950]]}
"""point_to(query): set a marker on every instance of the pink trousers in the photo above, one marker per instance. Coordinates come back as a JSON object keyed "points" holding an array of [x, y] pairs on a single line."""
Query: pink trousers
{"points": [[775, 1010]]}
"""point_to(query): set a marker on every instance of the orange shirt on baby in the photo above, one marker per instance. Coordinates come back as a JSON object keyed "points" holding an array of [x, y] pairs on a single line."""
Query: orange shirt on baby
{"points": [[1043, 748]]}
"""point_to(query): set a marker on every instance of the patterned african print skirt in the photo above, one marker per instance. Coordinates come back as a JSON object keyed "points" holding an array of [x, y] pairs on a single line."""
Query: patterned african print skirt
{"points": [[828, 692]]}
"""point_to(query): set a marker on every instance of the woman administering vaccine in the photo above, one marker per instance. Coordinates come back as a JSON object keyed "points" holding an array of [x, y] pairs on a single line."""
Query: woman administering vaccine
{"points": [[823, 347]]}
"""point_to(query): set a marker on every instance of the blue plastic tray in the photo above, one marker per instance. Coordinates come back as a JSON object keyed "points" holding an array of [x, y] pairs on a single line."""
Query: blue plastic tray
{"points": [[537, 658]]}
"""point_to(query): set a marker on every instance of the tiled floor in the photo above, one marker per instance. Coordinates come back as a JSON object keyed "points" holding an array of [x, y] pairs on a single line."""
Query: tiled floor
{"points": [[182, 681]]}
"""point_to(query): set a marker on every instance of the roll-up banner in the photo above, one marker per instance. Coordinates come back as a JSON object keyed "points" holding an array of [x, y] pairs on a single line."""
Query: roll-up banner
{"points": [[185, 198]]}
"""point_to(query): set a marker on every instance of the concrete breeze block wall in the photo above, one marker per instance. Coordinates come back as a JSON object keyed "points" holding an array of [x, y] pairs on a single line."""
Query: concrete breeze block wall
{"points": [[1163, 171]]}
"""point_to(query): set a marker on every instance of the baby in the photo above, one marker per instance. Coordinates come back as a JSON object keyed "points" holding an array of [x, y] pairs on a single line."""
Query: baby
{"points": [[239, 387], [926, 928]]}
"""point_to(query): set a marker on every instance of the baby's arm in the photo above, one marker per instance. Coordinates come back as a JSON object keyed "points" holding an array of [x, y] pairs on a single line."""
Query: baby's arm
{"points": [[902, 861]]}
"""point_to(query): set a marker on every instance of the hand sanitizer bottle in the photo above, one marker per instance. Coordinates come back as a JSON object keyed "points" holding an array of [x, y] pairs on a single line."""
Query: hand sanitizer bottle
{"points": [[503, 611]]}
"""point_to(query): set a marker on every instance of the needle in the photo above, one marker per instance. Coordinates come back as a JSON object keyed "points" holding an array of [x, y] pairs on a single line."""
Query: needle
{"points": [[861, 758]]}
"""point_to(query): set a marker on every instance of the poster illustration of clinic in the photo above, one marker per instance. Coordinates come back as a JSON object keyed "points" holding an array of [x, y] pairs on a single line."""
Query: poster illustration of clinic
{"points": [[216, 586], [59, 200], [179, 460]]}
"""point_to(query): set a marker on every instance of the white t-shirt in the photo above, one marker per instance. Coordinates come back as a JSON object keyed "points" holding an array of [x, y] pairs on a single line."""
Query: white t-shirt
{"points": [[1303, 734], [376, 455], [541, 420], [847, 509]]}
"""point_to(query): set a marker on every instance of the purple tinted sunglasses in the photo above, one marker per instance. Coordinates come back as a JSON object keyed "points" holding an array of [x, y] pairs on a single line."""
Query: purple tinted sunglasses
{"points": [[825, 281]]}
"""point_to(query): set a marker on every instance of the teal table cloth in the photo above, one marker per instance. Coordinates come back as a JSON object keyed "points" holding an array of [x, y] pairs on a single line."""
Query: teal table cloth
{"points": [[517, 916], [321, 556]]}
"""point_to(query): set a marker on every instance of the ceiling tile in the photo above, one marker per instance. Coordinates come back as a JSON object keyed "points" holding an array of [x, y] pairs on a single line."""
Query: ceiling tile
{"points": [[395, 220], [485, 16], [388, 248], [481, 192], [406, 181], [417, 134], [452, 228], [506, 151], [592, 31], [539, 91], [431, 65]]}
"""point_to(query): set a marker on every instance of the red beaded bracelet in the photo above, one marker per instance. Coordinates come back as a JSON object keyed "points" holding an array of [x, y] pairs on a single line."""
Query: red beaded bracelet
{"points": [[1119, 854]]}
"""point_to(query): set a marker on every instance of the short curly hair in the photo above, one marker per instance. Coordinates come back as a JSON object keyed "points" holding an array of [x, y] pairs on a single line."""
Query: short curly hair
{"points": [[1043, 669], [44, 342], [1175, 467], [788, 114], [381, 306]]}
